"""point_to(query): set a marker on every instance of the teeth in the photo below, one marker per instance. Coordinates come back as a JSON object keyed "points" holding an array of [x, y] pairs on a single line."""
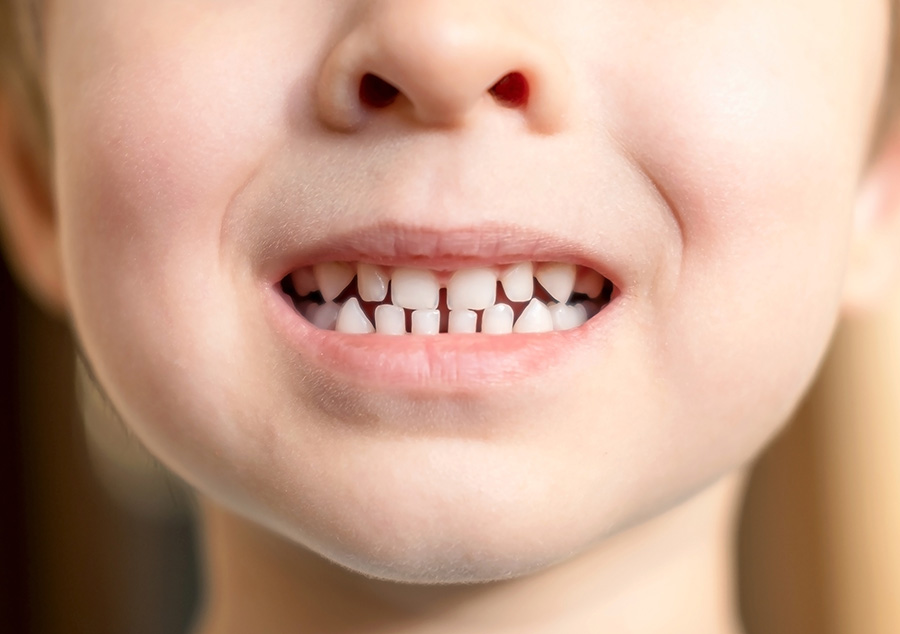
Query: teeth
{"points": [[372, 282], [518, 282], [426, 322], [558, 279], [304, 281], [332, 278], [467, 291], [390, 320], [497, 320], [351, 319], [323, 316], [568, 317], [474, 289], [415, 289], [535, 318], [462, 321], [589, 283]]}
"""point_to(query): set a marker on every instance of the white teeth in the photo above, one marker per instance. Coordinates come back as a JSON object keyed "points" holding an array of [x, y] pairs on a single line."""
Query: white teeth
{"points": [[518, 282], [474, 289], [426, 322], [558, 279], [462, 321], [568, 317], [323, 316], [390, 320], [535, 318], [589, 283], [415, 289], [304, 281], [497, 320], [468, 290], [372, 282], [332, 278], [351, 319]]}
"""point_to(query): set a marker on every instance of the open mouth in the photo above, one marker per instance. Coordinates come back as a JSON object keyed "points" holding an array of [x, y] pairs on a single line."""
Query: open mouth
{"points": [[522, 297], [410, 310]]}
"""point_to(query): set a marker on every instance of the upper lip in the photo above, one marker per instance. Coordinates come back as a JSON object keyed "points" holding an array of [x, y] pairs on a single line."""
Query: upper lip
{"points": [[395, 244]]}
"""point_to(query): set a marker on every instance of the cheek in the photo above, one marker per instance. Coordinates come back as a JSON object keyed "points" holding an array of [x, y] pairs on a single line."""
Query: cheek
{"points": [[146, 179], [754, 143]]}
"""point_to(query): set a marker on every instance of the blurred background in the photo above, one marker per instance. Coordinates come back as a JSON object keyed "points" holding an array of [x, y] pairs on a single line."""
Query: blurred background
{"points": [[819, 544], [72, 559]]}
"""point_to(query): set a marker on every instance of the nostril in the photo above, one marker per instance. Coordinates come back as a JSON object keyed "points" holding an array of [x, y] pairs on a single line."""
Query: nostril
{"points": [[512, 90], [375, 92]]}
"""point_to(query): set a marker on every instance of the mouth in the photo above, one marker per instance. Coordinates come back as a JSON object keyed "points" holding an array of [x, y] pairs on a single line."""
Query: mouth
{"points": [[524, 297], [440, 312]]}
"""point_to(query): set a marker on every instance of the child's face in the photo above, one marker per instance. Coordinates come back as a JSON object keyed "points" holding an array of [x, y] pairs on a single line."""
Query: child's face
{"points": [[702, 155]]}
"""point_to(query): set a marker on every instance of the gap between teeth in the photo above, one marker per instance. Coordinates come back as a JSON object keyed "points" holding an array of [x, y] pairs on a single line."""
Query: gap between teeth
{"points": [[525, 297]]}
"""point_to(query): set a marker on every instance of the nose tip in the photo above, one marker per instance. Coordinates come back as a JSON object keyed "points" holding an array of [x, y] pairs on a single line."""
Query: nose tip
{"points": [[438, 62]]}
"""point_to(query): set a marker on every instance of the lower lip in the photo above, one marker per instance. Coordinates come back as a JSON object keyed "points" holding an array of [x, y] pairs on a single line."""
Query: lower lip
{"points": [[445, 363]]}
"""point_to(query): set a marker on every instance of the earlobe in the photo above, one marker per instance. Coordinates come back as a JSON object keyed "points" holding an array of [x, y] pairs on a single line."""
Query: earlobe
{"points": [[27, 220], [874, 264]]}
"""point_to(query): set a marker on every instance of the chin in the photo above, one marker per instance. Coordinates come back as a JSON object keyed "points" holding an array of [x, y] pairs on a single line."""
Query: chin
{"points": [[450, 560]]}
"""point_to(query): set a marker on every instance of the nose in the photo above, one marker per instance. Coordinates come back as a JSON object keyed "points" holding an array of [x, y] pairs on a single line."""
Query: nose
{"points": [[438, 63]]}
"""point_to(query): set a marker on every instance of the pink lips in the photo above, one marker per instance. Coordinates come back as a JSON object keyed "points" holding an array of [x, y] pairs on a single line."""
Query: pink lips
{"points": [[447, 363], [401, 245]]}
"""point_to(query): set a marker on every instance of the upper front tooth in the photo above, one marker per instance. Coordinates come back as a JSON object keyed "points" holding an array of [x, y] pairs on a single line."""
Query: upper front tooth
{"points": [[353, 320], [558, 279], [473, 289], [535, 318], [332, 278], [415, 289], [372, 282], [518, 282]]}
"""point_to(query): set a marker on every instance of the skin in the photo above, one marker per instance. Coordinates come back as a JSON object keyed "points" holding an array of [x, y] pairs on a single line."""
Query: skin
{"points": [[709, 154]]}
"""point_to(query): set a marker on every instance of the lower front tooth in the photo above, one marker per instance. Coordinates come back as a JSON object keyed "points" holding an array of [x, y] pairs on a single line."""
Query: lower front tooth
{"points": [[535, 318], [497, 320], [462, 321], [390, 320], [351, 319], [567, 317], [426, 322]]}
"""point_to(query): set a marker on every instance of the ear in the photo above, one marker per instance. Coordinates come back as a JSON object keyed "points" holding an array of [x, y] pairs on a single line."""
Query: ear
{"points": [[28, 225], [874, 266]]}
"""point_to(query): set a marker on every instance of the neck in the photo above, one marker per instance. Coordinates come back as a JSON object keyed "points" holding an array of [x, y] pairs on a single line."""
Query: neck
{"points": [[673, 573]]}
